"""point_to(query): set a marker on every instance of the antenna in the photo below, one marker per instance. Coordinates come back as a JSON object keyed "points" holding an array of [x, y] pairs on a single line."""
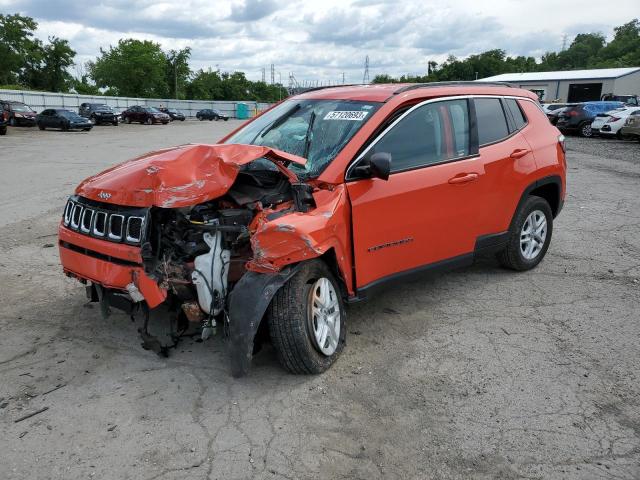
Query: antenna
{"points": [[365, 77]]}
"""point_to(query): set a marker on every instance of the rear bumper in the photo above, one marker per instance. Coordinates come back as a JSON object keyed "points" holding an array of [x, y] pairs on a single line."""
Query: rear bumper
{"points": [[113, 266]]}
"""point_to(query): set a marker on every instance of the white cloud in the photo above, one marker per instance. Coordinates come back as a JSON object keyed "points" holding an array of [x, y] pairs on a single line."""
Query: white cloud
{"points": [[319, 40]]}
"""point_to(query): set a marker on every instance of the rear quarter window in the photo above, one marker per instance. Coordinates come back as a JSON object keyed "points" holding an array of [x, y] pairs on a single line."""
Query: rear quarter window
{"points": [[516, 113], [492, 124]]}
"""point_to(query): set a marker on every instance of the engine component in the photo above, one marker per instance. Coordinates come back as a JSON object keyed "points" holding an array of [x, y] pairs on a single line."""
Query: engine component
{"points": [[210, 274]]}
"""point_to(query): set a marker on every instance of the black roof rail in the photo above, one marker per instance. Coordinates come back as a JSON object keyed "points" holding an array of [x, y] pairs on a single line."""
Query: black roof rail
{"points": [[452, 84], [313, 89]]}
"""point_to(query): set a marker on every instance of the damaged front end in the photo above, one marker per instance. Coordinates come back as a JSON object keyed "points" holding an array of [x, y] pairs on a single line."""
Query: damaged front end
{"points": [[196, 229]]}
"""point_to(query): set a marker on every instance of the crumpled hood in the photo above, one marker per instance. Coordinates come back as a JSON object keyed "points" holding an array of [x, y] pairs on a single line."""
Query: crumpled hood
{"points": [[179, 176]]}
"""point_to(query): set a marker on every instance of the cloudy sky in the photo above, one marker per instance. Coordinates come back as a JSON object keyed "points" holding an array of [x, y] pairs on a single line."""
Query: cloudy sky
{"points": [[320, 40]]}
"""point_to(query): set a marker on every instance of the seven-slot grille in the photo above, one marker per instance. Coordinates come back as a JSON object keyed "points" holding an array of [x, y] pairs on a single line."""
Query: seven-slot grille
{"points": [[105, 222]]}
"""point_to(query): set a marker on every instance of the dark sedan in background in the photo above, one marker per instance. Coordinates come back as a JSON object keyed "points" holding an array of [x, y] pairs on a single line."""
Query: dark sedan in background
{"points": [[98, 113], [173, 114], [20, 114], [211, 114], [147, 115], [63, 119]]}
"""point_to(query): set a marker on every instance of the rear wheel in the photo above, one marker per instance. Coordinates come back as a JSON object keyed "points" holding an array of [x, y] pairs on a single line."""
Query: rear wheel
{"points": [[529, 235], [585, 130], [3, 130], [307, 320], [127, 120]]}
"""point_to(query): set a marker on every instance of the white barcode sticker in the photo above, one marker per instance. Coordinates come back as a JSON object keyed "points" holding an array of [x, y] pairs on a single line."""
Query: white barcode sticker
{"points": [[358, 116]]}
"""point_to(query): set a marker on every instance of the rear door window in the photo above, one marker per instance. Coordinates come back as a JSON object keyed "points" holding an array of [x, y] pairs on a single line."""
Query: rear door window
{"points": [[492, 124], [519, 120]]}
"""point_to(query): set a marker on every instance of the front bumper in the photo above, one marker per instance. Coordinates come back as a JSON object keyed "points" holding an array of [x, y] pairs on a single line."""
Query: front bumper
{"points": [[111, 265]]}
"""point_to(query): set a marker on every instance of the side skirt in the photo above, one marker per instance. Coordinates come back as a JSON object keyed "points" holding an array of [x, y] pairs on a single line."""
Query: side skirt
{"points": [[485, 244]]}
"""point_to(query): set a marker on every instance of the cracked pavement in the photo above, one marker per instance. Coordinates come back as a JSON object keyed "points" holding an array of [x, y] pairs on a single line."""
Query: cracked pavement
{"points": [[481, 373]]}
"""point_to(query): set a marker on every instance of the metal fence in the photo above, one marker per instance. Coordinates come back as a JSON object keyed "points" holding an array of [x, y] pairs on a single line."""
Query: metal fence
{"points": [[41, 100]]}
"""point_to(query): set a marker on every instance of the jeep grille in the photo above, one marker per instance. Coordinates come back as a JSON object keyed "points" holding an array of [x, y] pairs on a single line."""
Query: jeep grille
{"points": [[105, 221]]}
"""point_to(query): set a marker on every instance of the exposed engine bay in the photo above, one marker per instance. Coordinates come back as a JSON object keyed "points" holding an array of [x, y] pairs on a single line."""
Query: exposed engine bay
{"points": [[198, 253]]}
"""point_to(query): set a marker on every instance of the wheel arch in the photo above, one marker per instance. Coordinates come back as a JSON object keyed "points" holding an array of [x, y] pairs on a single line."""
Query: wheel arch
{"points": [[549, 188]]}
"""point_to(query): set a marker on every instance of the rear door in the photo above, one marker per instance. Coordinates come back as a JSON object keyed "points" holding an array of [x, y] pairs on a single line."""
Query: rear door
{"points": [[428, 209], [507, 158]]}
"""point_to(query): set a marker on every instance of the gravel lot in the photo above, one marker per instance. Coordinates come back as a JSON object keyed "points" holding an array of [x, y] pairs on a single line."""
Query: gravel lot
{"points": [[481, 373]]}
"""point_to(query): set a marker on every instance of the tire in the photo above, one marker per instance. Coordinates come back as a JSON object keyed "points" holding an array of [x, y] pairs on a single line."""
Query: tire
{"points": [[41, 127], [226, 119], [513, 256], [13, 122], [127, 120], [148, 121], [86, 129], [585, 130], [93, 120], [292, 324], [200, 118], [65, 127], [182, 119], [3, 130], [115, 124]]}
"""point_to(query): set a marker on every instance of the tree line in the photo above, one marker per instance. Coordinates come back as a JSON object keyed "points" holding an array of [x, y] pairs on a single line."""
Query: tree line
{"points": [[132, 68], [587, 50]]}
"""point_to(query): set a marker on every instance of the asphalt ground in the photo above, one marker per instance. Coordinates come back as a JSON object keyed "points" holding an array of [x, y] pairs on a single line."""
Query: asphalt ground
{"points": [[480, 373]]}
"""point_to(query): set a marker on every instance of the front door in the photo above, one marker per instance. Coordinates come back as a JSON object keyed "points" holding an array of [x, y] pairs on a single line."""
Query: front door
{"points": [[428, 210]]}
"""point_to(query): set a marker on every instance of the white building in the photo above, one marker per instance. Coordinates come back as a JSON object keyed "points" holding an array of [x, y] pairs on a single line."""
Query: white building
{"points": [[575, 85]]}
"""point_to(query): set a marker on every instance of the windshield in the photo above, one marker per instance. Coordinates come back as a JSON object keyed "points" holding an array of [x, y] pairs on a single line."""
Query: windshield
{"points": [[70, 115], [152, 110], [314, 129], [21, 108], [102, 108]]}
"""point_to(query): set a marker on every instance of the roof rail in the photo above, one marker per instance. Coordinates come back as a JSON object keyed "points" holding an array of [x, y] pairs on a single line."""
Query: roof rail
{"points": [[313, 89], [451, 84]]}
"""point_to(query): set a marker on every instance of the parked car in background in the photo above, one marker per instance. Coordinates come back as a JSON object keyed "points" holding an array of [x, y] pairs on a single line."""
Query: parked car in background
{"points": [[98, 113], [552, 107], [611, 123], [20, 114], [554, 114], [63, 119], [211, 114], [148, 115], [173, 114], [577, 118], [282, 229], [4, 121], [631, 126], [631, 100]]}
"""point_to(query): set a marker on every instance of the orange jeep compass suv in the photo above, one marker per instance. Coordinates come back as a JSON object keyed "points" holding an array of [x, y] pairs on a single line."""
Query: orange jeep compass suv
{"points": [[315, 204]]}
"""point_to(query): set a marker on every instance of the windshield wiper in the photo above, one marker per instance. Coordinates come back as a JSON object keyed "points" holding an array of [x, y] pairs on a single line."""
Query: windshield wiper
{"points": [[307, 138], [279, 121]]}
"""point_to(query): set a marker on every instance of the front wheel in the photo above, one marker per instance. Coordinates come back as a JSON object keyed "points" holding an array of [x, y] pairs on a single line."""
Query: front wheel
{"points": [[127, 120], [307, 320], [149, 121], [585, 130], [41, 127], [529, 235]]}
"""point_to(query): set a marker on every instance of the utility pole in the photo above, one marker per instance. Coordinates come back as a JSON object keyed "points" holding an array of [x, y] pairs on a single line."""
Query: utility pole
{"points": [[343, 78], [365, 77], [564, 42], [273, 74], [264, 75], [175, 74]]}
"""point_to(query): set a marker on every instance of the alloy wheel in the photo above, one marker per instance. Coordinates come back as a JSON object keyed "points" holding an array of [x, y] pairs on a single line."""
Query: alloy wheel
{"points": [[324, 316], [533, 235]]}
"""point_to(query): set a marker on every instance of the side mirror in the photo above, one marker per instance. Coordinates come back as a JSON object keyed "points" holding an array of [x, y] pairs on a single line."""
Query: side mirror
{"points": [[376, 166], [380, 164]]}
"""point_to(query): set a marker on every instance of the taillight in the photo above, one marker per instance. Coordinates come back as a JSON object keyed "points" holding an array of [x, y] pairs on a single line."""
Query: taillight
{"points": [[562, 143], [613, 119]]}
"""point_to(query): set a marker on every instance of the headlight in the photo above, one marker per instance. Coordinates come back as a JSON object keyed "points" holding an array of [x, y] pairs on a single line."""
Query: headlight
{"points": [[18, 115]]}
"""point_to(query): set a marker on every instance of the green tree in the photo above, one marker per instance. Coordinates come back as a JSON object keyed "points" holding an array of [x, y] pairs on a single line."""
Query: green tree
{"points": [[17, 46], [57, 57], [178, 71], [132, 68], [624, 49]]}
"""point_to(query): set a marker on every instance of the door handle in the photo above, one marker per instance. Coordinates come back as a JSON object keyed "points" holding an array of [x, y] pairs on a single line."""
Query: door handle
{"points": [[519, 153], [463, 178]]}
